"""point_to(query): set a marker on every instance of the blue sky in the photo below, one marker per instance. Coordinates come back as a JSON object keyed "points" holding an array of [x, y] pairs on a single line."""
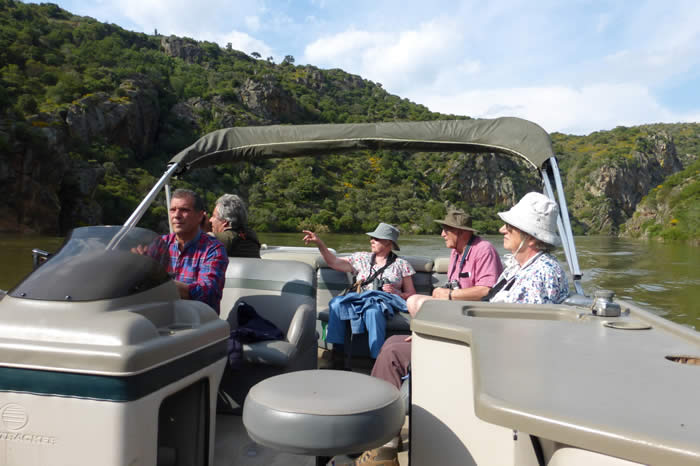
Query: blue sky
{"points": [[574, 66]]}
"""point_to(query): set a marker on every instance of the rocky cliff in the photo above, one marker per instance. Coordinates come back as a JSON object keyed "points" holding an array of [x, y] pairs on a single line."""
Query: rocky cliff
{"points": [[489, 179], [32, 170], [670, 210], [604, 192], [47, 185], [50, 188]]}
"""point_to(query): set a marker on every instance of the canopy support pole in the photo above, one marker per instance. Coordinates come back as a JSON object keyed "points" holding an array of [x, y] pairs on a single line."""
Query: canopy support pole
{"points": [[563, 221], [142, 207], [167, 204]]}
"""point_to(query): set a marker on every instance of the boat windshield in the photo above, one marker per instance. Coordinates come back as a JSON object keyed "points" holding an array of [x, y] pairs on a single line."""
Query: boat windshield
{"points": [[86, 269]]}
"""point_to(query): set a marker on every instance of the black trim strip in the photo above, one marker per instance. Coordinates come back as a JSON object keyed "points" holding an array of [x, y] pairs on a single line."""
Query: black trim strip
{"points": [[108, 388]]}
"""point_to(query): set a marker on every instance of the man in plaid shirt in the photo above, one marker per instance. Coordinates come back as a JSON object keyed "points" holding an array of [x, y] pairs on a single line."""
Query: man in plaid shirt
{"points": [[196, 261]]}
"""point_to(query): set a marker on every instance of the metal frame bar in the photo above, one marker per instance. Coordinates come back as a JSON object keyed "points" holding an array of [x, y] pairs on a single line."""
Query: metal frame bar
{"points": [[563, 221], [167, 204], [142, 207]]}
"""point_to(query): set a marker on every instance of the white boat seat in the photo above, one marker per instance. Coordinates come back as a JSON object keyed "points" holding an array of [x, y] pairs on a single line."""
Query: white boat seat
{"points": [[323, 412]]}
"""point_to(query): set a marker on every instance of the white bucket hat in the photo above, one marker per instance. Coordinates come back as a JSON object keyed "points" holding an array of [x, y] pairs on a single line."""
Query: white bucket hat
{"points": [[386, 231], [536, 215]]}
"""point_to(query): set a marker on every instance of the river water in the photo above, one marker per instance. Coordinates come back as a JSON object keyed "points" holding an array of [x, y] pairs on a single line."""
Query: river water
{"points": [[664, 278]]}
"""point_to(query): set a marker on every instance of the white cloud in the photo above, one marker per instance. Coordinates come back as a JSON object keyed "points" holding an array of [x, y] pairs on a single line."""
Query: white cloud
{"points": [[178, 17], [468, 67], [341, 47], [560, 108], [399, 60], [243, 42], [181, 17], [252, 22]]}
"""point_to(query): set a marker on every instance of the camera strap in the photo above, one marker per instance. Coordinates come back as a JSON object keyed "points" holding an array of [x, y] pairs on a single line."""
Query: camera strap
{"points": [[461, 262], [507, 282], [503, 283], [389, 260]]}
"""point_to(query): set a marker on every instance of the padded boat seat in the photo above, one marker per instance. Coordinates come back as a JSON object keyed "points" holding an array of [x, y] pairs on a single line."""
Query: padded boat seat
{"points": [[323, 412], [282, 292]]}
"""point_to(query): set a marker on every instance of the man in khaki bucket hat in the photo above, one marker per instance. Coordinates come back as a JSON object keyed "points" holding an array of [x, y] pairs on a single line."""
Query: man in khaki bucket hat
{"points": [[474, 263]]}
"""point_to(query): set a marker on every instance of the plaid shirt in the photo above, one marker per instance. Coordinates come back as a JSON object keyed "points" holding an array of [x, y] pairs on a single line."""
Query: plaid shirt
{"points": [[202, 264]]}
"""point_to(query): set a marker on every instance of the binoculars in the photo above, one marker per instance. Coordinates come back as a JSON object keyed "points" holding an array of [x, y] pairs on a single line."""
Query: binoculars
{"points": [[378, 283]]}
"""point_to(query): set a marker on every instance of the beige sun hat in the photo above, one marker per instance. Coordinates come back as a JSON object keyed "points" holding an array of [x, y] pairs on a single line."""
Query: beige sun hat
{"points": [[536, 215], [456, 218], [386, 231]]}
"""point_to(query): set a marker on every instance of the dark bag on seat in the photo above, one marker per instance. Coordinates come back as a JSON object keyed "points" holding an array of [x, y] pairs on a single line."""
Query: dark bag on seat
{"points": [[252, 327]]}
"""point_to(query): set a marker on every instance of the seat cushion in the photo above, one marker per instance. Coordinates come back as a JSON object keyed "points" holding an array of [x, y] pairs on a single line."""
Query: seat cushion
{"points": [[323, 412], [271, 353]]}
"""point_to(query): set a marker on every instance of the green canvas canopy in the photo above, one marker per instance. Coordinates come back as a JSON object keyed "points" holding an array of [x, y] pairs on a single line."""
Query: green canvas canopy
{"points": [[507, 135]]}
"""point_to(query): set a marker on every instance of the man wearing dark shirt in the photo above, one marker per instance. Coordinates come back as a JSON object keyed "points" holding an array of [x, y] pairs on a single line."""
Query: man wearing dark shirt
{"points": [[229, 223]]}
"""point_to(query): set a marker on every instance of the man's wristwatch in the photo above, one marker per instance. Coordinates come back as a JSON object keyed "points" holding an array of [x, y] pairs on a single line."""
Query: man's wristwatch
{"points": [[449, 295]]}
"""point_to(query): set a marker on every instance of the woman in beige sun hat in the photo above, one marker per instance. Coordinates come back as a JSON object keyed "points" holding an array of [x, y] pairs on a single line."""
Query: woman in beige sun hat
{"points": [[532, 275]]}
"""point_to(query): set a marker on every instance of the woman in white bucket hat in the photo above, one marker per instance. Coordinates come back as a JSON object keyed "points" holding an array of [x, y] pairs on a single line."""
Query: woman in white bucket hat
{"points": [[532, 275]]}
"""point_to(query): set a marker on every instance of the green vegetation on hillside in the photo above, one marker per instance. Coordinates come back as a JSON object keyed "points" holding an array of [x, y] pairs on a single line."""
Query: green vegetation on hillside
{"points": [[54, 64], [673, 206]]}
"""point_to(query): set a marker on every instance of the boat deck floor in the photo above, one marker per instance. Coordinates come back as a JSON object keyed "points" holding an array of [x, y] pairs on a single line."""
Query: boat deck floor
{"points": [[233, 446]]}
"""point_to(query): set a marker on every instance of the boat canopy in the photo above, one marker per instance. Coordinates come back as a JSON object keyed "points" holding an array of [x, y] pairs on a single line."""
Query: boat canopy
{"points": [[507, 135]]}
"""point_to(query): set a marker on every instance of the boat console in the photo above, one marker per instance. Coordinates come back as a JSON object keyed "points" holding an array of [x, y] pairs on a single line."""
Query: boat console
{"points": [[102, 363]]}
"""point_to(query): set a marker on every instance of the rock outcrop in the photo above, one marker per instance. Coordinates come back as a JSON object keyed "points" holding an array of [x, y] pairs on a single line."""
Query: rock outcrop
{"points": [[611, 193], [79, 207], [31, 173], [46, 190], [186, 49], [270, 101], [489, 179], [196, 112], [129, 119]]}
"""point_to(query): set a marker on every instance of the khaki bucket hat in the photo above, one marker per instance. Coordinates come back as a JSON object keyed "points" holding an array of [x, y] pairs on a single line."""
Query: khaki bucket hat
{"points": [[456, 218]]}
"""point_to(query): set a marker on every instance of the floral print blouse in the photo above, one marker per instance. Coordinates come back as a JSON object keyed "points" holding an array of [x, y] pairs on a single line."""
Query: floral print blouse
{"points": [[361, 263], [541, 280]]}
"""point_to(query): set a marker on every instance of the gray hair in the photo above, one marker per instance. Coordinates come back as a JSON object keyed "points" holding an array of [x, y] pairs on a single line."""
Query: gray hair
{"points": [[542, 246], [196, 198], [539, 244], [232, 209]]}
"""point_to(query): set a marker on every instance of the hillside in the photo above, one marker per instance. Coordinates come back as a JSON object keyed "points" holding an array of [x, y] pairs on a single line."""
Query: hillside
{"points": [[91, 112]]}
